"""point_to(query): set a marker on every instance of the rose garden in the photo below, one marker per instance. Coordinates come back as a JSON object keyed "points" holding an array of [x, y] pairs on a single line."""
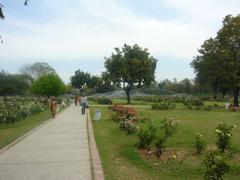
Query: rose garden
{"points": [[148, 129]]}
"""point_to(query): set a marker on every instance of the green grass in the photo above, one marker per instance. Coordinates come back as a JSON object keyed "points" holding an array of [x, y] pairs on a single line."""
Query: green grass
{"points": [[122, 160], [10, 132]]}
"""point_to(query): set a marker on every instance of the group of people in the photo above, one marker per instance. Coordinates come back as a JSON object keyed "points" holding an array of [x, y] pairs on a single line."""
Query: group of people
{"points": [[81, 101]]}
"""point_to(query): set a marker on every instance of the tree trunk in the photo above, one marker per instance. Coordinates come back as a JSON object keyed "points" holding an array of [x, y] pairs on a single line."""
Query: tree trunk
{"points": [[235, 96], [215, 94], [128, 96], [223, 94]]}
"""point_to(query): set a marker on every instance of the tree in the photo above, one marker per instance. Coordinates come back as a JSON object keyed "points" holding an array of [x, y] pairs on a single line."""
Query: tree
{"points": [[48, 85], [131, 67], [208, 66], [229, 39], [219, 60], [80, 79], [37, 69], [13, 84]]}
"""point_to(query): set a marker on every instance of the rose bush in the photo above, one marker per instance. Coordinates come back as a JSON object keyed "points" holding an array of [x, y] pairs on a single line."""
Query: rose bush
{"points": [[126, 116]]}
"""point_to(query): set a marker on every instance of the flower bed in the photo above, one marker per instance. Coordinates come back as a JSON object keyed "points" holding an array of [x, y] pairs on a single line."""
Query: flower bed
{"points": [[125, 116]]}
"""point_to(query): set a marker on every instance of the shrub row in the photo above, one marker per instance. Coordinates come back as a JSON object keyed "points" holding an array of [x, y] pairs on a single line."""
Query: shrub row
{"points": [[11, 112], [101, 100]]}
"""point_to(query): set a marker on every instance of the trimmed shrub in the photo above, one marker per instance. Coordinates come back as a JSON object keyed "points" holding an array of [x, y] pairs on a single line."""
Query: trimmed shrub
{"points": [[224, 134], [146, 136], [200, 143], [164, 105], [215, 167]]}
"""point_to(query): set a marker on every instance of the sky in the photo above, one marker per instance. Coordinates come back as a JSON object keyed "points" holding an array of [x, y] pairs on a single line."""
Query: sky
{"points": [[78, 34]]}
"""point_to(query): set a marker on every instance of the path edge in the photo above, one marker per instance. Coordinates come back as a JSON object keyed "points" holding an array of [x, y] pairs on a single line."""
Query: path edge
{"points": [[96, 164], [5, 148], [41, 124]]}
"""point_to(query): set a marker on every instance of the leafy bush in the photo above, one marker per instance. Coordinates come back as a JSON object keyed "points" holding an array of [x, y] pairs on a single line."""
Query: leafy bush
{"points": [[200, 143], [224, 134], [164, 105], [101, 100], [126, 116], [146, 136], [215, 167], [159, 144], [193, 101], [169, 127], [104, 101], [18, 108]]}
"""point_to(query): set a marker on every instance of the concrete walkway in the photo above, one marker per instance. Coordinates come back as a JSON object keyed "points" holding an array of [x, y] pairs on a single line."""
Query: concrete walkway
{"points": [[59, 150]]}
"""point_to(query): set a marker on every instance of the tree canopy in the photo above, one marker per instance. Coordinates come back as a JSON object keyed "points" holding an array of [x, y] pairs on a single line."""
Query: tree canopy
{"points": [[80, 79], [13, 84], [131, 66], [219, 61], [37, 69], [48, 85]]}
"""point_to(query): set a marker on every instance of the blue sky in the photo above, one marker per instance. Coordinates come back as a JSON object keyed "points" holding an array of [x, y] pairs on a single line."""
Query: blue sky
{"points": [[78, 34]]}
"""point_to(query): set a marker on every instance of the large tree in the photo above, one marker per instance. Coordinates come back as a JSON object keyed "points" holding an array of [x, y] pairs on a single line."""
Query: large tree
{"points": [[37, 70], [131, 66], [219, 61], [80, 79], [229, 39], [48, 85], [13, 84]]}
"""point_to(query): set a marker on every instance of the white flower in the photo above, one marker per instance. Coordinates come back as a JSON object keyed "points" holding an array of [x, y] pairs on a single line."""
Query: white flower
{"points": [[228, 134], [174, 156], [234, 125], [218, 131]]}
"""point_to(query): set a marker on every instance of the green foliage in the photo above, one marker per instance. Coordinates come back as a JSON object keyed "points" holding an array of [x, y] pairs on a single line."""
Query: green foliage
{"points": [[186, 86], [101, 100], [37, 70], [215, 167], [48, 85], [169, 127], [80, 79], [200, 143], [146, 136], [218, 63], [131, 67], [163, 105], [193, 101], [159, 144], [224, 134], [125, 116], [13, 111], [159, 136], [13, 84]]}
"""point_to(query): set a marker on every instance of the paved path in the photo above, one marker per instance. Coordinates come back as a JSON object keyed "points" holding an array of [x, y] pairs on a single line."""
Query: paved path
{"points": [[59, 150]]}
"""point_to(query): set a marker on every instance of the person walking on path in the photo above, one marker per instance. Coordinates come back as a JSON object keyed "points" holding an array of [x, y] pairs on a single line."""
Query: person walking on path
{"points": [[53, 107], [84, 103], [76, 100]]}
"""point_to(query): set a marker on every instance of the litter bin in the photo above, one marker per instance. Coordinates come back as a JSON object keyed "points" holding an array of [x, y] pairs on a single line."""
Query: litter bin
{"points": [[97, 116]]}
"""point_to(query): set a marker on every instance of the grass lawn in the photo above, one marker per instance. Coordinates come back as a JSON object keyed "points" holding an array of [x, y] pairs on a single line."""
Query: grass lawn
{"points": [[10, 132], [122, 160]]}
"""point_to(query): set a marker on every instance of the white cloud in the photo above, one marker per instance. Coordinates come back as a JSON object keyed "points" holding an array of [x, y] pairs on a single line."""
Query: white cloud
{"points": [[83, 28]]}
